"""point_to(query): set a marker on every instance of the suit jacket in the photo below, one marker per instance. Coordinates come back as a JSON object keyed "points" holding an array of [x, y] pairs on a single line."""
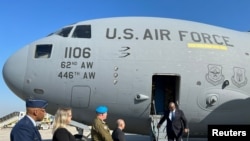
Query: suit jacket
{"points": [[118, 135], [177, 125], [25, 130]]}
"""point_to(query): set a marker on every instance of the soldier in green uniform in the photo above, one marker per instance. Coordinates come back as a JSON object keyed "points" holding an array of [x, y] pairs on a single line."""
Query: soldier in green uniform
{"points": [[100, 130]]}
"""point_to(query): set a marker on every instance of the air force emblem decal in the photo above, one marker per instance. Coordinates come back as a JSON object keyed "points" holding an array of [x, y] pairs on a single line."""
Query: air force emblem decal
{"points": [[239, 79], [214, 75]]}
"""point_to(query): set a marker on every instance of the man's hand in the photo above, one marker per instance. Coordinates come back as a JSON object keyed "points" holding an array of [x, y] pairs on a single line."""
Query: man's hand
{"points": [[186, 130]]}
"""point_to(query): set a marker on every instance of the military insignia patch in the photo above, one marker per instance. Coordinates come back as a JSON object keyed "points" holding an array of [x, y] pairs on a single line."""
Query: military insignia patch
{"points": [[214, 75], [239, 79]]}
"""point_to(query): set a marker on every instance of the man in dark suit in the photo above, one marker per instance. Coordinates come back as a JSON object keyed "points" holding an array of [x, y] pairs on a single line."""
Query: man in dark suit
{"points": [[25, 129], [118, 134], [176, 123]]}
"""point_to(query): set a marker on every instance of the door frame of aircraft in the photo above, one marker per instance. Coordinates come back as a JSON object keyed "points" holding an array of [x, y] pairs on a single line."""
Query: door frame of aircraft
{"points": [[80, 96], [165, 89]]}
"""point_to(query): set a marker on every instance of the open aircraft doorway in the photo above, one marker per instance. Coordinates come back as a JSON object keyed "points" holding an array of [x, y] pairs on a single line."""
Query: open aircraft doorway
{"points": [[165, 89]]}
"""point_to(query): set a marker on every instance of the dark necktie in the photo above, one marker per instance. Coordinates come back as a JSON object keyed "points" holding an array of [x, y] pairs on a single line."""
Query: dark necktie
{"points": [[38, 135], [172, 118]]}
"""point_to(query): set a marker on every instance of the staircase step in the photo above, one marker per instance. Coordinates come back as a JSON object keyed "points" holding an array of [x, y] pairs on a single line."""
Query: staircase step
{"points": [[159, 134]]}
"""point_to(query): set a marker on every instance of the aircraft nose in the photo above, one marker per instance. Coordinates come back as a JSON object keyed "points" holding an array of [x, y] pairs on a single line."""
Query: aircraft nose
{"points": [[14, 71]]}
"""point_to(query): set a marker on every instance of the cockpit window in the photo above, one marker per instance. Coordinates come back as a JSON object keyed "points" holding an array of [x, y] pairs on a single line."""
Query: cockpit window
{"points": [[43, 51], [63, 32], [82, 31]]}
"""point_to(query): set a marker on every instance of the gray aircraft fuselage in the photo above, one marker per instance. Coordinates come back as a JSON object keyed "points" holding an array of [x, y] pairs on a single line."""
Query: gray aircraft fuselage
{"points": [[126, 63]]}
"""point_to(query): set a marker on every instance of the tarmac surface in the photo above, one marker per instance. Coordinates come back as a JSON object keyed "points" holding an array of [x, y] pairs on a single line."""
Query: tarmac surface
{"points": [[47, 135]]}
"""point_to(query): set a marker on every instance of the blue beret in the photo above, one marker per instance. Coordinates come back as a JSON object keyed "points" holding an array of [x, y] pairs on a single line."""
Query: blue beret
{"points": [[101, 109], [33, 103]]}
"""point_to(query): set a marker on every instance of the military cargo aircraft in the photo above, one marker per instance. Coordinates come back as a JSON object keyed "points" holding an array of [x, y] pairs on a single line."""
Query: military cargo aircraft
{"points": [[135, 66]]}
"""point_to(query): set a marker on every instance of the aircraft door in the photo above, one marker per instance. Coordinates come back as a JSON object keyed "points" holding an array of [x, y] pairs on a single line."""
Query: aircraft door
{"points": [[80, 96], [165, 89]]}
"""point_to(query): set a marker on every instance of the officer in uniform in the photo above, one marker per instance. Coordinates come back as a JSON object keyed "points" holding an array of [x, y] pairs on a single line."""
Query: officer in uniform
{"points": [[25, 129], [100, 130]]}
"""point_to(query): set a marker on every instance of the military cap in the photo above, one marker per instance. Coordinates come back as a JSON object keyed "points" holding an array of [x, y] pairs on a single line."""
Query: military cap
{"points": [[101, 109], [35, 103]]}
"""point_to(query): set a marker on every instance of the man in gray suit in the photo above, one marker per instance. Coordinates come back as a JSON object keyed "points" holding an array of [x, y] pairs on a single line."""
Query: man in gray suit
{"points": [[176, 123], [25, 129]]}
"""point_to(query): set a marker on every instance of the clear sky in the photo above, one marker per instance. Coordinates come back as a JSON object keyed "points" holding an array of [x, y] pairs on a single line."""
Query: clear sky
{"points": [[23, 21]]}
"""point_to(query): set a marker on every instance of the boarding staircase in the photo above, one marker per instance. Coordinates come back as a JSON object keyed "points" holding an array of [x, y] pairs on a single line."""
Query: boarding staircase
{"points": [[10, 119], [158, 134]]}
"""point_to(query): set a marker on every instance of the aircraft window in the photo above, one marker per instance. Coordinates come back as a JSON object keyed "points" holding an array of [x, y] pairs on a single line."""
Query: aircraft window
{"points": [[43, 51], [62, 32], [65, 31], [82, 31]]}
